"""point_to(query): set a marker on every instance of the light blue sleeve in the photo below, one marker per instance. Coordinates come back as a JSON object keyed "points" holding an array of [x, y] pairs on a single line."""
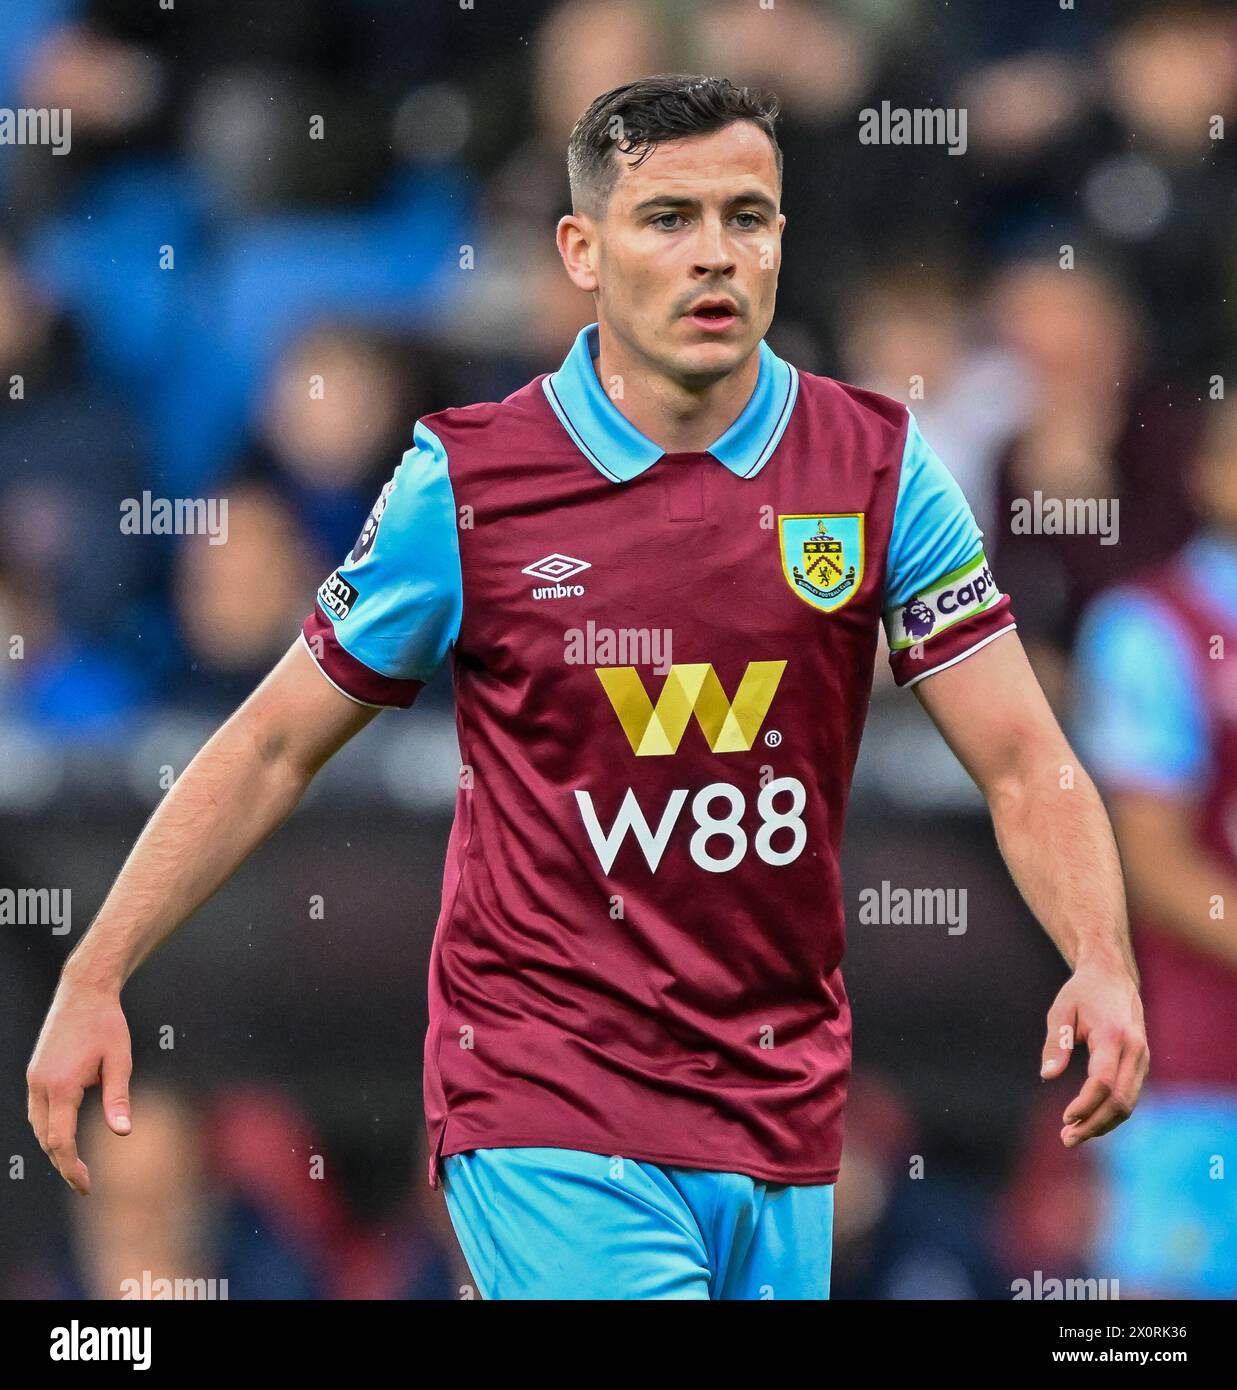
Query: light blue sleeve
{"points": [[934, 532], [1138, 716], [397, 601]]}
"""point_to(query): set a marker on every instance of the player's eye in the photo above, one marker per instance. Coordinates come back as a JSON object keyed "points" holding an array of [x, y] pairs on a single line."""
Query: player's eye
{"points": [[660, 220], [755, 222]]}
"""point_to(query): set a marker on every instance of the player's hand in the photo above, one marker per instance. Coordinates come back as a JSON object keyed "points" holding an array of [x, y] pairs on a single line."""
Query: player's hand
{"points": [[1099, 1006], [85, 1040]]}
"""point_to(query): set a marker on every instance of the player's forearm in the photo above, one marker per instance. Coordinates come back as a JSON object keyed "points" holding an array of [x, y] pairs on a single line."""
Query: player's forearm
{"points": [[1056, 839], [232, 796]]}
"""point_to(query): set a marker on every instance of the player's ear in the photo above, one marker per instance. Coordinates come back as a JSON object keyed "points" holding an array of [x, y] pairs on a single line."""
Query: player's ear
{"points": [[575, 237]]}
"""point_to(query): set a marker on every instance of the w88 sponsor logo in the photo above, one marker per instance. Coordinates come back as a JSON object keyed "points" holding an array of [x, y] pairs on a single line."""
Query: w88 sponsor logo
{"points": [[779, 840]]}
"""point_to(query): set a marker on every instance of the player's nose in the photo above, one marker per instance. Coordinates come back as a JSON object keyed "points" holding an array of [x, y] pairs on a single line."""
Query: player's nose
{"points": [[713, 253], [720, 268]]}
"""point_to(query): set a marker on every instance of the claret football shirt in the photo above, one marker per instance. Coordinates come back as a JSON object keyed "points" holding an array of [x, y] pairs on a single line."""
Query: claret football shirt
{"points": [[662, 664]]}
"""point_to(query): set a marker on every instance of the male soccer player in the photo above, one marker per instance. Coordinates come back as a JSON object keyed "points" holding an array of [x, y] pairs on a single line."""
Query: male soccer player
{"points": [[659, 572], [1157, 691]]}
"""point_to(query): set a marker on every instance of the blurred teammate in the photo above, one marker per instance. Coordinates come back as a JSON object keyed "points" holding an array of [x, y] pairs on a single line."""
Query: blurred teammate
{"points": [[660, 572], [1157, 692]]}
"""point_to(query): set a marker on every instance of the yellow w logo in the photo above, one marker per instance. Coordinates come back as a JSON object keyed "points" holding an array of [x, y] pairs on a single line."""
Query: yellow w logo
{"points": [[730, 726]]}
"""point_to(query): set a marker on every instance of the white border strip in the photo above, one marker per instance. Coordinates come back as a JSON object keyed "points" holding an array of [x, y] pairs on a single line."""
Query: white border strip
{"points": [[953, 661], [338, 687]]}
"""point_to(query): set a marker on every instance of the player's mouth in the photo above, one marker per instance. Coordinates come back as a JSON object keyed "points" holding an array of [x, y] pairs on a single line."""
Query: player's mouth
{"points": [[714, 315]]}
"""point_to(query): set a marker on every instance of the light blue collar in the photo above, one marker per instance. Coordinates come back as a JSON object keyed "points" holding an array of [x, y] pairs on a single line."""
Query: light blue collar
{"points": [[610, 441]]}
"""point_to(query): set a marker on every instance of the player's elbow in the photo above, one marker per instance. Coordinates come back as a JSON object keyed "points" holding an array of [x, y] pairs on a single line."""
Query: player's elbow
{"points": [[264, 739], [1030, 762]]}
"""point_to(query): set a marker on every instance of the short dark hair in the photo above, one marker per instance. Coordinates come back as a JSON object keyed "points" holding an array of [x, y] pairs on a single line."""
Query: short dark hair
{"points": [[638, 116]]}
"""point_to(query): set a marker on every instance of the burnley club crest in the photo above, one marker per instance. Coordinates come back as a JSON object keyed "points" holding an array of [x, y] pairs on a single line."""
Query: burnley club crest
{"points": [[822, 557]]}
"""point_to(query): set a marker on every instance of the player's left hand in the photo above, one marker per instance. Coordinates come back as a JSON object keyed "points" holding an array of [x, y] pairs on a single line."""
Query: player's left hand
{"points": [[1099, 1005]]}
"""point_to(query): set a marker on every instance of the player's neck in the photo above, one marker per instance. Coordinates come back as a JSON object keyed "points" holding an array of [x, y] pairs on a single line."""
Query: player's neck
{"points": [[679, 419]]}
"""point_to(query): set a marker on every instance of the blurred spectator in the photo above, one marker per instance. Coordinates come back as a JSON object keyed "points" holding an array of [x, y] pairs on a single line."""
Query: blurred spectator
{"points": [[1048, 1217], [1163, 197], [239, 604], [1105, 428], [914, 336], [333, 423], [290, 1191], [1113, 139], [236, 1199], [69, 454], [904, 1228], [149, 1215], [523, 306]]}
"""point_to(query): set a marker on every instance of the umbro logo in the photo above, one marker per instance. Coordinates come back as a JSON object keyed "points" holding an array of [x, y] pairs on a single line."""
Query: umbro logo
{"points": [[557, 567]]}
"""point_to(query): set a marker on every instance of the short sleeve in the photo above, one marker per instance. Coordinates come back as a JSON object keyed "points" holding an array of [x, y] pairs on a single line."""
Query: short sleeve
{"points": [[1139, 721], [941, 601], [385, 620]]}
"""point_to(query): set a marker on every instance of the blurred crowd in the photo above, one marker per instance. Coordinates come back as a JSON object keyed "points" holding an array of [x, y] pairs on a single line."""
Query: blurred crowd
{"points": [[284, 232], [233, 1199], [334, 193]]}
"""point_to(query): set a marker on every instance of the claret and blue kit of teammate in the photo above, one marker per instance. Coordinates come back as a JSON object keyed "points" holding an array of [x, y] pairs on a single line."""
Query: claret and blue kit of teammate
{"points": [[639, 1041]]}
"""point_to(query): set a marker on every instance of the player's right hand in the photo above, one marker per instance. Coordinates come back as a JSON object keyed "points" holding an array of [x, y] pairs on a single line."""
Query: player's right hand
{"points": [[84, 1041]]}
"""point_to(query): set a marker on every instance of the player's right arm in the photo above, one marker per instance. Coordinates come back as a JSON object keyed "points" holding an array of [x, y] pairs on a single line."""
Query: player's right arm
{"points": [[951, 639], [238, 790], [383, 625]]}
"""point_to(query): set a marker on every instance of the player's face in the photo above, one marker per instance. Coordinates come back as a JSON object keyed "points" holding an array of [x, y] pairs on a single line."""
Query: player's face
{"points": [[687, 256]]}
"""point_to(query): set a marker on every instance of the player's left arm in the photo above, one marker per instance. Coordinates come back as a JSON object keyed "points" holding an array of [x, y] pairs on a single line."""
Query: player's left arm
{"points": [[951, 636], [1056, 839]]}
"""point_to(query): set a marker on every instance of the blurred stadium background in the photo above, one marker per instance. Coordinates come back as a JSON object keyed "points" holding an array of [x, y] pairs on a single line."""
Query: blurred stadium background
{"points": [[407, 257]]}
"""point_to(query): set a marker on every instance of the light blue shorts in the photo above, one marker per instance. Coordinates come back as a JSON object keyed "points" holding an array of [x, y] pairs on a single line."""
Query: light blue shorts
{"points": [[543, 1223], [1168, 1222]]}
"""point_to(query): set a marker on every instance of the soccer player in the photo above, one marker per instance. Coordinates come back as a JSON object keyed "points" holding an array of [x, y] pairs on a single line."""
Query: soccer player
{"points": [[1157, 692], [659, 573]]}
